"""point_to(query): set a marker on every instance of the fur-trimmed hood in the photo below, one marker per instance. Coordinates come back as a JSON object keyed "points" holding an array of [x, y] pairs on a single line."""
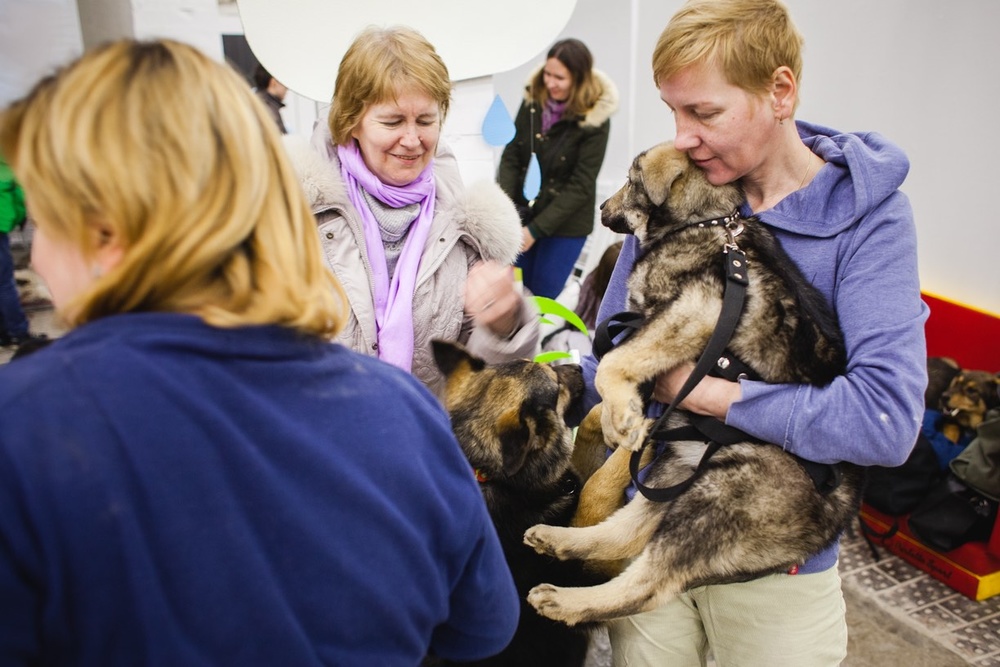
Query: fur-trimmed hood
{"points": [[603, 109], [488, 216], [322, 184], [482, 211]]}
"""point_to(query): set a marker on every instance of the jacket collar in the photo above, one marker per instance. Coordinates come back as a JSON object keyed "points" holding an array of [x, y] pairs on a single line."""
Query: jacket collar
{"points": [[481, 211]]}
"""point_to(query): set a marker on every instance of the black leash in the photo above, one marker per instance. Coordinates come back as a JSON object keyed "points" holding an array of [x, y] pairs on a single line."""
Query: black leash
{"points": [[734, 295], [716, 434]]}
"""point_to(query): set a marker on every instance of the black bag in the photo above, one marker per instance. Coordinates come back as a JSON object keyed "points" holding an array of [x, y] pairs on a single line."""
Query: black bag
{"points": [[897, 491], [953, 514]]}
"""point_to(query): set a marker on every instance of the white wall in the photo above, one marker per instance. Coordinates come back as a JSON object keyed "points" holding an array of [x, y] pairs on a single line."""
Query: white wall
{"points": [[924, 74], [34, 39]]}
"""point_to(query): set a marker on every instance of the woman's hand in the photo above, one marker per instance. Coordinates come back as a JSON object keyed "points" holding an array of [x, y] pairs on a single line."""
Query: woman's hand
{"points": [[492, 299], [711, 397], [527, 240]]}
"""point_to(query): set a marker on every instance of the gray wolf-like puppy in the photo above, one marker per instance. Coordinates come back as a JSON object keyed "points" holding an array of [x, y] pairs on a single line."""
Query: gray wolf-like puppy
{"points": [[510, 420], [755, 510]]}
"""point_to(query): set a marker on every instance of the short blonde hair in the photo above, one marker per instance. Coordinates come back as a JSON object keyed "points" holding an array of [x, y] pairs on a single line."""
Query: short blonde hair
{"points": [[171, 153], [380, 63], [748, 39]]}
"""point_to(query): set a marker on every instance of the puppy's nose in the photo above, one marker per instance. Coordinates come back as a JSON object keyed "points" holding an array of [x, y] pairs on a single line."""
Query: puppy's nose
{"points": [[603, 203]]}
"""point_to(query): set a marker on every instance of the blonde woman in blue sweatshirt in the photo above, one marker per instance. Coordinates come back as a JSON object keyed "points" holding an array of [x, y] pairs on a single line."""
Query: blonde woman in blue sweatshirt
{"points": [[194, 474], [729, 71]]}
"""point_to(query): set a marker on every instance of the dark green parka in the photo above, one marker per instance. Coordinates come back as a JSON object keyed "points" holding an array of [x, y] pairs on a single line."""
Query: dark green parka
{"points": [[570, 155]]}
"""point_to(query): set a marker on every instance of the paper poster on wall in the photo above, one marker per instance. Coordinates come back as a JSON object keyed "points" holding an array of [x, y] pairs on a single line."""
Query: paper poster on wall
{"points": [[498, 127], [301, 43]]}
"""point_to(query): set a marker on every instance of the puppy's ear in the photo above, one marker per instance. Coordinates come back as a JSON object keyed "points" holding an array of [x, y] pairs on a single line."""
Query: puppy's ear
{"points": [[660, 169], [515, 438], [571, 381], [451, 356]]}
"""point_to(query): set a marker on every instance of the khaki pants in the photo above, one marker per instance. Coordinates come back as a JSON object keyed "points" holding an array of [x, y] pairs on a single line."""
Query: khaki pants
{"points": [[777, 621]]}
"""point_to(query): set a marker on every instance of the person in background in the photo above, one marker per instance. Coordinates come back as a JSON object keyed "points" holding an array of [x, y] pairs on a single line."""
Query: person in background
{"points": [[585, 300], [14, 326], [564, 120], [729, 72], [194, 473], [272, 93], [419, 255]]}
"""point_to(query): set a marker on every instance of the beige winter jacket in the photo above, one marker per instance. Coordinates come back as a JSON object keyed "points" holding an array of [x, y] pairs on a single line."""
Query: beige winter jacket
{"points": [[470, 224]]}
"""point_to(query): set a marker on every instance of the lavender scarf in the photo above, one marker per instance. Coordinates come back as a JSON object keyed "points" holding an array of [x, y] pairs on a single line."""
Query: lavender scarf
{"points": [[393, 298], [552, 112]]}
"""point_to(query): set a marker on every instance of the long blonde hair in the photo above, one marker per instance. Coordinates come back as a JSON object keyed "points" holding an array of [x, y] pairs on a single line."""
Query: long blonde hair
{"points": [[170, 153]]}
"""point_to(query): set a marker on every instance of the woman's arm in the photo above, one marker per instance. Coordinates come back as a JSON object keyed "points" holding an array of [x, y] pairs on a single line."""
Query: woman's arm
{"points": [[504, 322], [872, 413]]}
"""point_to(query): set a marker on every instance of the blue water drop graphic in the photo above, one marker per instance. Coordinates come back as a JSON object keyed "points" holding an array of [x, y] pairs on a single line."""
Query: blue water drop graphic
{"points": [[533, 179], [498, 128]]}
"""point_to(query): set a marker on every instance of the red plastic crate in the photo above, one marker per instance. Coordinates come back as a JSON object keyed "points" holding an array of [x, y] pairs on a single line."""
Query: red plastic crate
{"points": [[972, 569], [970, 337]]}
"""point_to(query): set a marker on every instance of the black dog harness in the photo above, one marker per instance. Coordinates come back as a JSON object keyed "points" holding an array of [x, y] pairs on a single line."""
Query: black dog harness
{"points": [[715, 360]]}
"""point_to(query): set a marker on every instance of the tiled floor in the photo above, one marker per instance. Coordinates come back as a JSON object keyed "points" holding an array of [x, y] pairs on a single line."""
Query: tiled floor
{"points": [[883, 593], [968, 628]]}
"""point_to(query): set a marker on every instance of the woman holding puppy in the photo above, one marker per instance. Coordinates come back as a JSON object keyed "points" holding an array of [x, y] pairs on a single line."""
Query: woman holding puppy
{"points": [[195, 474], [729, 72]]}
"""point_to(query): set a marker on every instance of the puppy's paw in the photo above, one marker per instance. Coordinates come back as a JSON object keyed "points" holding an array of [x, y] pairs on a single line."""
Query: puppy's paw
{"points": [[624, 424], [543, 539], [547, 601]]}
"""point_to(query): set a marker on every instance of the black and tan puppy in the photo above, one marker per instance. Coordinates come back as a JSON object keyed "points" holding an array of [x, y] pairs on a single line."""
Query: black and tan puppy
{"points": [[965, 402], [755, 510], [510, 420]]}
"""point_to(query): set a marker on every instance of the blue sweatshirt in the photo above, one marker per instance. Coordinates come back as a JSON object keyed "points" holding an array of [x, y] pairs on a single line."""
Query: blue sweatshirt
{"points": [[177, 494], [851, 233]]}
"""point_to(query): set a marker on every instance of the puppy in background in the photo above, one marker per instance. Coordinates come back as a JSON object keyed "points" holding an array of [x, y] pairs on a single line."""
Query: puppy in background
{"points": [[966, 401]]}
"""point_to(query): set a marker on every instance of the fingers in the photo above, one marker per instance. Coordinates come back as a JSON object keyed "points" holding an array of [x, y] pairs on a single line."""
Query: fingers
{"points": [[491, 297], [487, 285], [527, 240], [711, 396]]}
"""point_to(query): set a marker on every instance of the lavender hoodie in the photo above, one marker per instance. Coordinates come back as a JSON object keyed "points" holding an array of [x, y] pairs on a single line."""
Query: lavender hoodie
{"points": [[851, 232]]}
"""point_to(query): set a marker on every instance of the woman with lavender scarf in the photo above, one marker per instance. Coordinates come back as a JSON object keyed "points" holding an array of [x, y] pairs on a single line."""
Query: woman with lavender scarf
{"points": [[419, 255], [564, 121]]}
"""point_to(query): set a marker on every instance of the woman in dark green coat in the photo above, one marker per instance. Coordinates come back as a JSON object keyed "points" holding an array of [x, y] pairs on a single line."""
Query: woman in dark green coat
{"points": [[564, 120]]}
